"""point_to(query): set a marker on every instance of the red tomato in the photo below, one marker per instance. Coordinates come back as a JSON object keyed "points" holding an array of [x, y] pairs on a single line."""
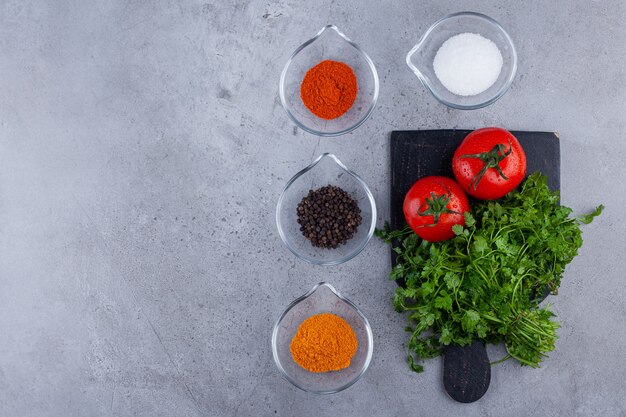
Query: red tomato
{"points": [[433, 205], [489, 163]]}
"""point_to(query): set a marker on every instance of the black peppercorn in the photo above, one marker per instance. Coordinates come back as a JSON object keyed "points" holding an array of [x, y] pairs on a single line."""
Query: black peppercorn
{"points": [[328, 216]]}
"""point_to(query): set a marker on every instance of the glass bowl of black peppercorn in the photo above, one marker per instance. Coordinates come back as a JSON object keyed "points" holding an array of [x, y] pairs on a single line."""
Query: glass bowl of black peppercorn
{"points": [[326, 214]]}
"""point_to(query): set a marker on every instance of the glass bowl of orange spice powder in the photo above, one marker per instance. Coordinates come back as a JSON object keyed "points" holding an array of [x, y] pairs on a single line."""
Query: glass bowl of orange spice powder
{"points": [[329, 86], [322, 343]]}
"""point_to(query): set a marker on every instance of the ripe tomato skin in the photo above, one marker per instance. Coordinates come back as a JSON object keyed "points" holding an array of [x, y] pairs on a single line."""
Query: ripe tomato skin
{"points": [[417, 201], [492, 185]]}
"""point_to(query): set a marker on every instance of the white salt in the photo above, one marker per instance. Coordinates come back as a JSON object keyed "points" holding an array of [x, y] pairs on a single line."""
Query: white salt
{"points": [[468, 64]]}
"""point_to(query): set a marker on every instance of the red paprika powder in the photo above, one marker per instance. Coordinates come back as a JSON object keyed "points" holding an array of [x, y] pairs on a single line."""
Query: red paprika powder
{"points": [[329, 89]]}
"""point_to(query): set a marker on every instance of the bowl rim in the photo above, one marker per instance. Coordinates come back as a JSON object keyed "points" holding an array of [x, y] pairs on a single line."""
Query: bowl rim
{"points": [[283, 75], [426, 82], [370, 198], [368, 329]]}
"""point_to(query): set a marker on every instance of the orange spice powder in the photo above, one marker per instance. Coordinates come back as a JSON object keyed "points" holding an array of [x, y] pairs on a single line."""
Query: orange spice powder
{"points": [[324, 342]]}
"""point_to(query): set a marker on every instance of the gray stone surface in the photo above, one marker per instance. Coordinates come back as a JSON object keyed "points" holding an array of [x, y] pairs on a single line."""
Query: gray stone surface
{"points": [[142, 151]]}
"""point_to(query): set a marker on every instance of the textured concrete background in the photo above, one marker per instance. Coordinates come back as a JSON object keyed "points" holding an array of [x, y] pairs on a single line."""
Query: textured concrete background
{"points": [[142, 151]]}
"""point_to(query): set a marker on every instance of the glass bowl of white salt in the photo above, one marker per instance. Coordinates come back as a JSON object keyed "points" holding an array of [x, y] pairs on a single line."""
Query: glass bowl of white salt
{"points": [[466, 60]]}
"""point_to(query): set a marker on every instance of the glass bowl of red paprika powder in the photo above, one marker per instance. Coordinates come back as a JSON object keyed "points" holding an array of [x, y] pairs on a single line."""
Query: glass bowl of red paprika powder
{"points": [[322, 299], [329, 86]]}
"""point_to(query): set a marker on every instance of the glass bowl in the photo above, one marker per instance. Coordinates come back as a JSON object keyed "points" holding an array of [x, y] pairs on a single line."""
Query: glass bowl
{"points": [[326, 169], [420, 58], [329, 43], [322, 298]]}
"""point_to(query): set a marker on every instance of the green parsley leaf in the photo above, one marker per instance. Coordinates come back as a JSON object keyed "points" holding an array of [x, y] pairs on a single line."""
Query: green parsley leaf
{"points": [[457, 229]]}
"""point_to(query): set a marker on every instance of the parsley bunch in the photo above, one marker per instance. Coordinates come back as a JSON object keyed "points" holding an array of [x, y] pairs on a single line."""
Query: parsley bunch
{"points": [[485, 282]]}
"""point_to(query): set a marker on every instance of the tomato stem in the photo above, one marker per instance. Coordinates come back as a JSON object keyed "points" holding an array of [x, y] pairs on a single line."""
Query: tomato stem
{"points": [[437, 205], [491, 159]]}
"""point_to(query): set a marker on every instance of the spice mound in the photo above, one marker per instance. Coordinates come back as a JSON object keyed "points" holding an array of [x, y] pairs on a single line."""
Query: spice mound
{"points": [[328, 217], [468, 64], [323, 343], [329, 89]]}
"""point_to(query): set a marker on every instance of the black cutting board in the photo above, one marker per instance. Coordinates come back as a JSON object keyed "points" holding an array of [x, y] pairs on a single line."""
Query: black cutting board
{"points": [[419, 153]]}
